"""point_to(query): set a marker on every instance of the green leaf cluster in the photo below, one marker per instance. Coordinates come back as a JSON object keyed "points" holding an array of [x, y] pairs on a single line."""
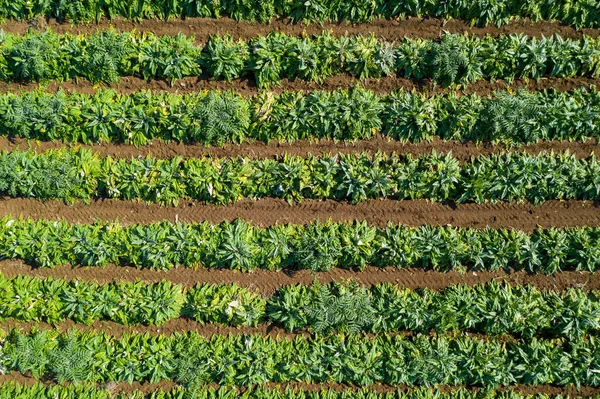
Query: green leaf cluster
{"points": [[217, 118], [512, 176], [12, 390], [191, 359], [580, 14], [454, 60], [491, 309], [316, 246], [38, 390], [51, 300]]}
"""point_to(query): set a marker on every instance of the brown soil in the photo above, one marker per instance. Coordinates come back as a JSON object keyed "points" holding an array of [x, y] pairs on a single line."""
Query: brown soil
{"points": [[391, 30], [270, 211], [171, 327], [270, 281], [247, 86], [182, 326], [147, 388], [260, 150]]}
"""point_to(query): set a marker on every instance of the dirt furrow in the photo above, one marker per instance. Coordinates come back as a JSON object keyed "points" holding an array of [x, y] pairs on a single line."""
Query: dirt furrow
{"points": [[181, 326], [171, 327], [269, 281], [247, 86], [260, 150], [148, 388], [392, 30], [270, 211]]}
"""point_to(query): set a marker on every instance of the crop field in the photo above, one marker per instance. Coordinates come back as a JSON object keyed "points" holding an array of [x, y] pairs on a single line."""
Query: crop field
{"points": [[299, 199]]}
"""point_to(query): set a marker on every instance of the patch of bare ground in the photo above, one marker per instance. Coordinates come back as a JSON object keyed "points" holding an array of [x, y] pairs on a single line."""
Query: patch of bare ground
{"points": [[180, 325], [391, 30], [147, 388], [271, 211], [267, 282], [260, 150], [247, 85]]}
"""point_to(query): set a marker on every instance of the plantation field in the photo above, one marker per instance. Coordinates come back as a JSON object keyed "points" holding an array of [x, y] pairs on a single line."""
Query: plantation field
{"points": [[292, 199]]}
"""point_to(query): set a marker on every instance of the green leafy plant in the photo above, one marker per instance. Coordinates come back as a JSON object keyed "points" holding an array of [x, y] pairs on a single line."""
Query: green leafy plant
{"points": [[511, 176], [222, 117], [319, 248], [453, 60], [225, 58], [581, 14], [345, 308], [355, 359]]}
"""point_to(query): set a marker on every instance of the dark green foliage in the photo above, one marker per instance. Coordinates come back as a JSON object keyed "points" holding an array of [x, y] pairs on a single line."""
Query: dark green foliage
{"points": [[489, 309], [354, 359], [316, 246], [319, 248], [11, 390], [105, 56], [455, 61], [512, 176], [71, 361], [30, 353], [492, 309], [410, 117], [266, 58], [340, 308], [60, 174], [481, 12], [168, 57], [34, 57], [237, 248], [224, 58], [218, 118]]}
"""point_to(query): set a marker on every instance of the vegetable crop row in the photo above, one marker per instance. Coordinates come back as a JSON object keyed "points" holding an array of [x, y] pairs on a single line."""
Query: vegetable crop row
{"points": [[489, 309], [454, 60], [13, 390], [191, 359], [579, 14], [80, 174], [315, 246], [217, 118]]}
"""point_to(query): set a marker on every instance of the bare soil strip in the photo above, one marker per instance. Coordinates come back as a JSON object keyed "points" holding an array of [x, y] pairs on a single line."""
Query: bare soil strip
{"points": [[271, 211], [392, 30], [247, 86], [183, 326], [267, 282], [260, 150], [147, 388], [171, 327]]}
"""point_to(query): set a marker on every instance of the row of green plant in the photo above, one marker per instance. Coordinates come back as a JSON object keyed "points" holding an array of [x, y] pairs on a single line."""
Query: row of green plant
{"points": [[343, 307], [12, 390], [508, 176], [217, 118], [191, 359], [51, 300], [578, 14], [315, 246], [104, 56]]}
